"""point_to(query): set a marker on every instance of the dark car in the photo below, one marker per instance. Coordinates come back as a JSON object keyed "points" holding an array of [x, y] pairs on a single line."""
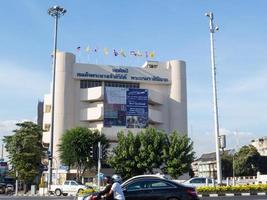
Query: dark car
{"points": [[156, 188]]}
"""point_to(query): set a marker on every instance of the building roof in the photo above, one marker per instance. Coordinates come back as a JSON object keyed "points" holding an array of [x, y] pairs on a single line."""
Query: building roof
{"points": [[212, 156], [207, 157]]}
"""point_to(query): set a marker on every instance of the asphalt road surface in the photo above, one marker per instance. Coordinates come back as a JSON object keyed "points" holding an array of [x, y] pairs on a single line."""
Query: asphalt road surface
{"points": [[254, 197], [5, 197]]}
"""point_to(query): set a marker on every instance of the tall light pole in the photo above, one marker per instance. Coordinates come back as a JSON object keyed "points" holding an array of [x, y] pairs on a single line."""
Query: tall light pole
{"points": [[55, 12], [215, 106]]}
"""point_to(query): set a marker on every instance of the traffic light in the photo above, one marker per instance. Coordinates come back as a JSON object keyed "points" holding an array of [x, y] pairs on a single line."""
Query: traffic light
{"points": [[43, 168], [49, 155], [93, 151]]}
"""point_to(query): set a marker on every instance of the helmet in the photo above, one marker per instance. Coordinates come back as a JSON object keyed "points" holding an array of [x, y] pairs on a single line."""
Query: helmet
{"points": [[116, 178]]}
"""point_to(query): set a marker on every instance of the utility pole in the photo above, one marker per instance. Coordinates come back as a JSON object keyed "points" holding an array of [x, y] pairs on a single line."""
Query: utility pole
{"points": [[55, 12], [99, 165], [215, 106]]}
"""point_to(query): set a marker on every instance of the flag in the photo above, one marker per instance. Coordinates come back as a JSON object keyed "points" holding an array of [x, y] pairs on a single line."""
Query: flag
{"points": [[106, 51], [151, 54], [138, 53], [78, 48], [88, 49], [122, 53], [115, 52], [133, 53], [146, 54]]}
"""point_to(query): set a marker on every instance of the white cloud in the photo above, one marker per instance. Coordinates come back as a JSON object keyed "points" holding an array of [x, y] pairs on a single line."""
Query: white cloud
{"points": [[7, 127]]}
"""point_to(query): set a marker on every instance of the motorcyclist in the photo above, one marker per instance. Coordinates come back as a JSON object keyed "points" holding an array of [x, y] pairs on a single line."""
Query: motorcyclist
{"points": [[116, 189], [108, 182]]}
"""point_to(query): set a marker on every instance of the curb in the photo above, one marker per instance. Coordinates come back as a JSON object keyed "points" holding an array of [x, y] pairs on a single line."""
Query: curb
{"points": [[41, 195], [233, 194]]}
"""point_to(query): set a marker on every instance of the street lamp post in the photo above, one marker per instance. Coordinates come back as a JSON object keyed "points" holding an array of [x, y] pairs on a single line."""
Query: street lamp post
{"points": [[55, 12], [215, 106]]}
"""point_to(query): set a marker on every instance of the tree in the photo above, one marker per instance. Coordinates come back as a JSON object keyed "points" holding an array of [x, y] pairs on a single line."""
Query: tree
{"points": [[180, 155], [150, 150], [227, 164], [25, 151], [153, 149], [75, 145], [125, 155], [246, 161]]}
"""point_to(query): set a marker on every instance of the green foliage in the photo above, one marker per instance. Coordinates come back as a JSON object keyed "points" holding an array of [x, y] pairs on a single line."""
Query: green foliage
{"points": [[149, 150], [152, 150], [25, 150], [227, 164], [179, 155], [74, 148], [86, 192], [232, 189], [246, 161], [125, 156]]}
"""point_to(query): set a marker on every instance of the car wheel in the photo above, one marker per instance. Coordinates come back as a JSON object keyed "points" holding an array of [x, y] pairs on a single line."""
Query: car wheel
{"points": [[57, 192], [80, 190]]}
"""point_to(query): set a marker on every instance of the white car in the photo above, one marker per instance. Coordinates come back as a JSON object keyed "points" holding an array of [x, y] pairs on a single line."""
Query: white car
{"points": [[68, 187], [199, 181]]}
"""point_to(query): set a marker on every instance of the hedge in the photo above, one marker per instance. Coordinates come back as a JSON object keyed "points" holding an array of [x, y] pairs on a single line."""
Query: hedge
{"points": [[233, 189]]}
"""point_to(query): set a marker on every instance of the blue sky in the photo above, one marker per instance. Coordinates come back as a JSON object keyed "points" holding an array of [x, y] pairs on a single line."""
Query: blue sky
{"points": [[174, 29]]}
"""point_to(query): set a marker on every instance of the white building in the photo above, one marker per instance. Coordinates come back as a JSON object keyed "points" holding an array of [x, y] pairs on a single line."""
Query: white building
{"points": [[82, 92], [261, 145]]}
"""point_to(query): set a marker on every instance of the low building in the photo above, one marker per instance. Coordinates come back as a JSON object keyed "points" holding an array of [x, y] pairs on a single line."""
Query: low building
{"points": [[261, 145], [205, 166]]}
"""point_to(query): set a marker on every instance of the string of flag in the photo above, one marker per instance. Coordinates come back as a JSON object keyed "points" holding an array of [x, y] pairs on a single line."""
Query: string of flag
{"points": [[115, 52]]}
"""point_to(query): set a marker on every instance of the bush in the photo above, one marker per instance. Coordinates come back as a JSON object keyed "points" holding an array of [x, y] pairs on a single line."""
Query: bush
{"points": [[232, 189], [86, 192]]}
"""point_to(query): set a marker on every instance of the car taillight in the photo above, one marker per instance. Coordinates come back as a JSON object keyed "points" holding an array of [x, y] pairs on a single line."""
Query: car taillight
{"points": [[192, 192]]}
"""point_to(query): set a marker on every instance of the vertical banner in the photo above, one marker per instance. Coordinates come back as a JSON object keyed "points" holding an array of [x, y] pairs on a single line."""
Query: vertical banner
{"points": [[114, 106], [136, 108], [125, 107]]}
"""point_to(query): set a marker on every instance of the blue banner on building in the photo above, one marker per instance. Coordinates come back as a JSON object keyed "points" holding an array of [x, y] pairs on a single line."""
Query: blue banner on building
{"points": [[136, 108], [126, 107]]}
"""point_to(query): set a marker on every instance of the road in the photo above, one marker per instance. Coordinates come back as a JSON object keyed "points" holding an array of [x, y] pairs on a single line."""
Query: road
{"points": [[255, 197], [5, 197]]}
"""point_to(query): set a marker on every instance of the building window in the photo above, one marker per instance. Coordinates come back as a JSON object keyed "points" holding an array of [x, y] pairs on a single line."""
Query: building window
{"points": [[121, 84], [47, 108], [89, 83], [47, 127]]}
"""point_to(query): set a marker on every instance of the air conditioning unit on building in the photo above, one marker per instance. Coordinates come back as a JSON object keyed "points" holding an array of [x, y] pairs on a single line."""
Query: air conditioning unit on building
{"points": [[151, 64]]}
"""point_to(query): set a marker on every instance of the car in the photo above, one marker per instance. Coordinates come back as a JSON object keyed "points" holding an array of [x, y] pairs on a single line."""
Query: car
{"points": [[155, 187], [68, 187], [198, 182]]}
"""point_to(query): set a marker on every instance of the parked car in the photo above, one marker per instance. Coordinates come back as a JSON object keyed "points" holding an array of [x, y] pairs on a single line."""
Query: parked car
{"points": [[157, 188], [198, 181], [69, 186]]}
